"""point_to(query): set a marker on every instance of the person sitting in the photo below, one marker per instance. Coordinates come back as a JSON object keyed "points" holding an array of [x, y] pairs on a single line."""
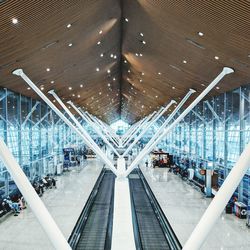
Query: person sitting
{"points": [[13, 206]]}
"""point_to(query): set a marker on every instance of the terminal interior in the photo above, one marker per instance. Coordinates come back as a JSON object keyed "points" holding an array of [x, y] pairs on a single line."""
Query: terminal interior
{"points": [[124, 125]]}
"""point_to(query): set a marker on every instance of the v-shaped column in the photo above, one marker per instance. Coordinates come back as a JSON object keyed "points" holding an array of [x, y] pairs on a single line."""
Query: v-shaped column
{"points": [[93, 125], [151, 144]]}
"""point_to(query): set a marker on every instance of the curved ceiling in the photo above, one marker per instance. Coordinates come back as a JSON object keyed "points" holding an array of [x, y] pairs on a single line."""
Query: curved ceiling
{"points": [[123, 59]]}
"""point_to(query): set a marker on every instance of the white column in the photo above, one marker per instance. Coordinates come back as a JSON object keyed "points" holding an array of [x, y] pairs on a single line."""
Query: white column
{"points": [[148, 125], [95, 128], [219, 202], [19, 72], [151, 145], [35, 203], [83, 131]]}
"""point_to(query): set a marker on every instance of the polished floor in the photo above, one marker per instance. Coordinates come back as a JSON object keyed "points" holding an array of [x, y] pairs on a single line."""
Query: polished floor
{"points": [[183, 206], [64, 203]]}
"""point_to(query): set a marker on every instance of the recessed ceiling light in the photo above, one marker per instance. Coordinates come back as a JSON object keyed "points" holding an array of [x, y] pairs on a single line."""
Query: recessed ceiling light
{"points": [[141, 34], [216, 58], [115, 56], [101, 55], [73, 94], [70, 88], [140, 80], [109, 84], [99, 42], [28, 88], [69, 25], [156, 96], [144, 42], [200, 33], [81, 86], [217, 87], [54, 100], [108, 71], [129, 71], [125, 61], [141, 54], [42, 88], [100, 32], [248, 55], [52, 82], [159, 73], [100, 93], [111, 55], [126, 19], [70, 44], [14, 20], [114, 79], [142, 73], [48, 69], [184, 61], [97, 69], [136, 54], [173, 87], [78, 96]]}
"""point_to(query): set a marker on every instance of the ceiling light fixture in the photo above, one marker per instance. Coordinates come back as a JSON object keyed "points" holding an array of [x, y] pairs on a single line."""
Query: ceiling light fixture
{"points": [[99, 42], [81, 86], [101, 55], [100, 32], [48, 69], [125, 61], [70, 44], [159, 73], [141, 55], [144, 42], [200, 33], [141, 34], [184, 61], [68, 25], [108, 71], [126, 19], [52, 82], [70, 88], [14, 20], [216, 58], [97, 69]]}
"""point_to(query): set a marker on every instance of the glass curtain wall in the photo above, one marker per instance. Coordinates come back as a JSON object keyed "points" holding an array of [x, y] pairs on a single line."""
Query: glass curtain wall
{"points": [[34, 134], [217, 131]]}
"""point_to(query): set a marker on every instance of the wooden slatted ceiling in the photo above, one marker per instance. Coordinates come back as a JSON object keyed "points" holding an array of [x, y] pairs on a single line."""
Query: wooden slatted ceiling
{"points": [[145, 75]]}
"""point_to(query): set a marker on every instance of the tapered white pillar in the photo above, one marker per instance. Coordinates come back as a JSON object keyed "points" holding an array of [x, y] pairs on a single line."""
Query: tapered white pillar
{"points": [[147, 126], [19, 72], [218, 204], [35, 203], [151, 145]]}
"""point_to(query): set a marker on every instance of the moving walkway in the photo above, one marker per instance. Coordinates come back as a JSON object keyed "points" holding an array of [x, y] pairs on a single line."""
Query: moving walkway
{"points": [[94, 227]]}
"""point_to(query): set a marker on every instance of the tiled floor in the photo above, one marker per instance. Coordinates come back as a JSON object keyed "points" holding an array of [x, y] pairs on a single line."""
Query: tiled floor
{"points": [[64, 203], [184, 206]]}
